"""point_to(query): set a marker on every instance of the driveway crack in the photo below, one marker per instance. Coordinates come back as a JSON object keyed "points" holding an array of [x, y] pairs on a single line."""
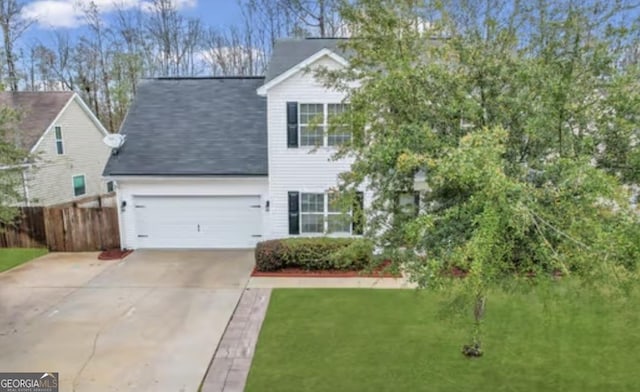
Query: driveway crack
{"points": [[108, 324]]}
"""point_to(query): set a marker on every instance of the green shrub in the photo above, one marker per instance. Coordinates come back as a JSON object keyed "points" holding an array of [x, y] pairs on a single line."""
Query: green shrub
{"points": [[313, 253], [355, 256], [269, 255]]}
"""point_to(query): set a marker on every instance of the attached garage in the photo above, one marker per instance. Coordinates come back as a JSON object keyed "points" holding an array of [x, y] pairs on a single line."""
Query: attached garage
{"points": [[192, 213], [193, 172], [197, 221]]}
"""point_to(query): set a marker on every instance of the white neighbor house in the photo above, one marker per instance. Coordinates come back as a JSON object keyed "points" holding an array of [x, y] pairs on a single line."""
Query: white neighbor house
{"points": [[64, 139], [227, 162]]}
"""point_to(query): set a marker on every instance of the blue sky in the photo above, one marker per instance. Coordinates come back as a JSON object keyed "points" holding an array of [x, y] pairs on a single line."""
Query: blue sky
{"points": [[65, 15], [216, 12]]}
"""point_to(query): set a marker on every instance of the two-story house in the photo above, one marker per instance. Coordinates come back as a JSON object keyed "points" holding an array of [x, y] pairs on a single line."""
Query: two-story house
{"points": [[64, 140], [226, 162]]}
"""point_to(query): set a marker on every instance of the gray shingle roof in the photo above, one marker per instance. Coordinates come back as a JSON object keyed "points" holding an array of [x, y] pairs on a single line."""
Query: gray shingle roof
{"points": [[289, 52], [194, 126], [36, 111]]}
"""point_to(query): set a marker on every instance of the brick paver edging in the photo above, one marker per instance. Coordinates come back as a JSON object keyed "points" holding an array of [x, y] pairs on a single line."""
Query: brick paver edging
{"points": [[231, 363]]}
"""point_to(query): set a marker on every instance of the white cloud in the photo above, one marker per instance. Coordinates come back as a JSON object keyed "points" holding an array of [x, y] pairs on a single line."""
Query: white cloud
{"points": [[69, 13]]}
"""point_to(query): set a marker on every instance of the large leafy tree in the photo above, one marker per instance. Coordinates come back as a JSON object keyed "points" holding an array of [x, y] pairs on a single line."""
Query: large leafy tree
{"points": [[522, 118], [12, 160]]}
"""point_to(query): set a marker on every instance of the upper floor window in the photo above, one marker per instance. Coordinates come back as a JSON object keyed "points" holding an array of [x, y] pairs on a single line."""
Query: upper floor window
{"points": [[311, 124], [314, 122], [59, 144], [340, 133]]}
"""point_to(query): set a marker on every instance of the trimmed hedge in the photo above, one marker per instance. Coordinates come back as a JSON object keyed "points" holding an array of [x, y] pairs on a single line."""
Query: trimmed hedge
{"points": [[314, 253]]}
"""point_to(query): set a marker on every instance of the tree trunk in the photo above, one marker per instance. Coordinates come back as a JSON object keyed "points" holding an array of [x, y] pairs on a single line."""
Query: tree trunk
{"points": [[474, 349], [8, 50], [321, 19]]}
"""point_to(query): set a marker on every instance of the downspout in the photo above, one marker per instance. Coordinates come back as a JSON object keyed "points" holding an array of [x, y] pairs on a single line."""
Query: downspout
{"points": [[25, 188]]}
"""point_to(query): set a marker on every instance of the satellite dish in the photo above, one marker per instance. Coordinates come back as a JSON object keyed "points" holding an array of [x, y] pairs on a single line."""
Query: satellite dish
{"points": [[115, 141]]}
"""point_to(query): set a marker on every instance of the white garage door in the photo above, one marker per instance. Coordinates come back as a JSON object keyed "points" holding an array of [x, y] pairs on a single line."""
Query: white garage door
{"points": [[197, 221]]}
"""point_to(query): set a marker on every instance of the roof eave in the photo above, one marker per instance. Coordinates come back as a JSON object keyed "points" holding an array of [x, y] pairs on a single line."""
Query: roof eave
{"points": [[137, 174]]}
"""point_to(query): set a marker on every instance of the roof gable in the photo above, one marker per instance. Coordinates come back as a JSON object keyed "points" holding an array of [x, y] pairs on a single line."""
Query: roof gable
{"points": [[83, 106], [289, 53], [302, 66], [37, 111]]}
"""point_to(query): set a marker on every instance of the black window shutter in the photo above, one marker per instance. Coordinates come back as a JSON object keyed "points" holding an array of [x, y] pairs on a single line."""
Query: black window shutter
{"points": [[292, 124], [416, 201], [357, 226], [294, 213]]}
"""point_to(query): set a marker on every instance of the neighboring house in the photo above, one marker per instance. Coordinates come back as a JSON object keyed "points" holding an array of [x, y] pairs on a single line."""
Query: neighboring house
{"points": [[64, 139], [227, 162]]}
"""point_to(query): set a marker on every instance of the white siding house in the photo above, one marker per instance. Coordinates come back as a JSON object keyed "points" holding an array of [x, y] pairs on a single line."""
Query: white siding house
{"points": [[64, 140], [84, 155], [305, 169], [234, 161]]}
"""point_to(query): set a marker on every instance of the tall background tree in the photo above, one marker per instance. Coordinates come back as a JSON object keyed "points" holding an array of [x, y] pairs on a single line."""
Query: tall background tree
{"points": [[12, 159], [13, 25], [105, 59], [522, 119]]}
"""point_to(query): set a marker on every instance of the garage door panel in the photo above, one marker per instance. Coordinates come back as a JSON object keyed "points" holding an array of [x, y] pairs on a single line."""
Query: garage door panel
{"points": [[198, 221]]}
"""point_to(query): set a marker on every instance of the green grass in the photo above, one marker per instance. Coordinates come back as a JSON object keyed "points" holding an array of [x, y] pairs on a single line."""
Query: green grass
{"points": [[11, 257], [400, 340]]}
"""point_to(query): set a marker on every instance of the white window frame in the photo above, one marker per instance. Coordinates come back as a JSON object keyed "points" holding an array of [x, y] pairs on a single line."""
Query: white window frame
{"points": [[315, 213], [73, 184], [321, 125], [346, 215], [324, 124], [340, 135], [58, 140], [325, 216]]}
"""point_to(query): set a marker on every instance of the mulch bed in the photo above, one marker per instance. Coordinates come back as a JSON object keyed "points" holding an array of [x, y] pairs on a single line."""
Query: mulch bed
{"points": [[114, 254], [378, 272]]}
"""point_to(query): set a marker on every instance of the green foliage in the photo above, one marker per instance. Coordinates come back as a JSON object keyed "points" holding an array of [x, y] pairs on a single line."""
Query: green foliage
{"points": [[523, 121], [11, 157], [525, 128], [357, 255], [314, 253], [268, 255]]}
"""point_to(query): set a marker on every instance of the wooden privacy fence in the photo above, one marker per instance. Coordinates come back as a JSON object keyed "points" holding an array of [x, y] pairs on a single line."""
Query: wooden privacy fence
{"points": [[27, 231], [63, 229]]}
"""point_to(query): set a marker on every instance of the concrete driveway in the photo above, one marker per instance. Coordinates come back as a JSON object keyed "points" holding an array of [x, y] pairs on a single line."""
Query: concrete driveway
{"points": [[149, 322]]}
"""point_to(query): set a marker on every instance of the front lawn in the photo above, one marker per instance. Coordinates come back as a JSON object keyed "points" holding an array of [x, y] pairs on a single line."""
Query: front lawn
{"points": [[398, 340], [11, 257]]}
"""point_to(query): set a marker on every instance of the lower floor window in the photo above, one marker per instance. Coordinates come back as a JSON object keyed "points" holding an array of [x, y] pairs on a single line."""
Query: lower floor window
{"points": [[320, 213], [312, 212], [337, 220], [79, 185], [408, 203]]}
